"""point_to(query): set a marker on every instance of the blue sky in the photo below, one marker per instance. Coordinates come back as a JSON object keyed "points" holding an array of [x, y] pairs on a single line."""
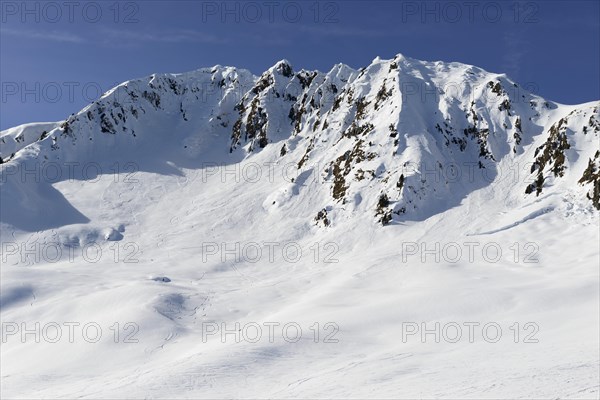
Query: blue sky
{"points": [[58, 56]]}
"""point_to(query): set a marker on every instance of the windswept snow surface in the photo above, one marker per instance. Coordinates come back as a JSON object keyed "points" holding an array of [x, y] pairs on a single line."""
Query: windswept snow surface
{"points": [[199, 235]]}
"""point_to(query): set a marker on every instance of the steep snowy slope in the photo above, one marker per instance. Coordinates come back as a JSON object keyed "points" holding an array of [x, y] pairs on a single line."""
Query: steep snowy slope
{"points": [[15, 139], [354, 205]]}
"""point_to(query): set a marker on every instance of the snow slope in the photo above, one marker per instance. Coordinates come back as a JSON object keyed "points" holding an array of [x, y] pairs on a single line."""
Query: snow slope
{"points": [[372, 203]]}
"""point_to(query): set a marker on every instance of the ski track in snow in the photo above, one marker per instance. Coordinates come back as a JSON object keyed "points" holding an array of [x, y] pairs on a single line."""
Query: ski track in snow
{"points": [[529, 217]]}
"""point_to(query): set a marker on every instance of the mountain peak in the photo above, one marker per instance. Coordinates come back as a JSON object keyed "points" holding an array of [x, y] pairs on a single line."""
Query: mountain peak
{"points": [[401, 57], [283, 67]]}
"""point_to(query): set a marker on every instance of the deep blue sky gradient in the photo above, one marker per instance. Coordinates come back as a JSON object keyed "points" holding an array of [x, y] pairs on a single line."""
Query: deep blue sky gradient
{"points": [[550, 46]]}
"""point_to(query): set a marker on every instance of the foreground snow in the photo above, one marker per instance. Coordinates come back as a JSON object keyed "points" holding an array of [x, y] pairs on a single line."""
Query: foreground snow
{"points": [[373, 294]]}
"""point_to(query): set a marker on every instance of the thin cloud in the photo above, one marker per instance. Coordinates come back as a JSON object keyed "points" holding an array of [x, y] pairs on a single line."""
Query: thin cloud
{"points": [[180, 36], [516, 50], [63, 37], [336, 30]]}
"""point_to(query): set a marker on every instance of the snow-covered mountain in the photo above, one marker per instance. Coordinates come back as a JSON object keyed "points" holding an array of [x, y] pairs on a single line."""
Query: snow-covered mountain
{"points": [[363, 164], [418, 136]]}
